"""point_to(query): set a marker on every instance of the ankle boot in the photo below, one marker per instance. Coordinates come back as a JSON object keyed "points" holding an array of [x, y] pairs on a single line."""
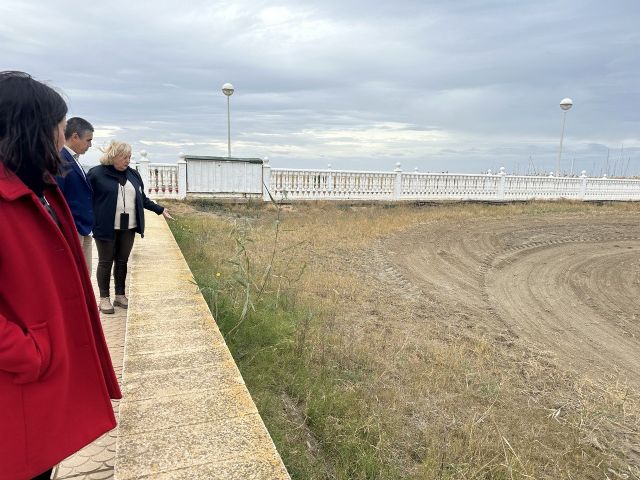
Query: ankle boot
{"points": [[105, 305], [121, 301]]}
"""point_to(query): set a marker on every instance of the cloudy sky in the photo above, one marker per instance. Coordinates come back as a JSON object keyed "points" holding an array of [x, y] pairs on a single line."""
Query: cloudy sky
{"points": [[459, 86]]}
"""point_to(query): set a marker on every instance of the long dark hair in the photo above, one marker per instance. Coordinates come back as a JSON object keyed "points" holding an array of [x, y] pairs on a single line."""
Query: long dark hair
{"points": [[30, 111]]}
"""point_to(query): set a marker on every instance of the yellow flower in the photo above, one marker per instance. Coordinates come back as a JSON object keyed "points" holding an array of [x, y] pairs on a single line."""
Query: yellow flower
{"points": [[217, 274]]}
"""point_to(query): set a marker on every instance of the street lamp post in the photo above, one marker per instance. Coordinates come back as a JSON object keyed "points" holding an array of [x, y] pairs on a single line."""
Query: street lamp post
{"points": [[228, 90], [565, 105]]}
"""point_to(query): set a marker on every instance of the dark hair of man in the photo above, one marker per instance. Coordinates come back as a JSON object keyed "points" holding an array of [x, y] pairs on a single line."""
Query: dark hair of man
{"points": [[77, 125], [30, 111]]}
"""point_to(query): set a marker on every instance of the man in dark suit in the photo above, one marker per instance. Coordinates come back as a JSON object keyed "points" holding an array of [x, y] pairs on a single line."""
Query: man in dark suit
{"points": [[74, 185]]}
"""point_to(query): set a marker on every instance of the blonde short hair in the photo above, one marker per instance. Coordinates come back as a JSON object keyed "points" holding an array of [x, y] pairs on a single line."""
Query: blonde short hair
{"points": [[115, 149]]}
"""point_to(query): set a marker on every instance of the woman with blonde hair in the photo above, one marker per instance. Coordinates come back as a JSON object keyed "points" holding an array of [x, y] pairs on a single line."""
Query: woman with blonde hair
{"points": [[118, 207]]}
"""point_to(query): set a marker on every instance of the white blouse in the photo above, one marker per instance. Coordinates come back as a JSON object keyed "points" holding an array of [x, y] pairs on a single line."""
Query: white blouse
{"points": [[126, 204]]}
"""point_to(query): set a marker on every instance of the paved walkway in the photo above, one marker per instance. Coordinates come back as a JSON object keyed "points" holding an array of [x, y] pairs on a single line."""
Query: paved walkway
{"points": [[186, 413], [96, 461]]}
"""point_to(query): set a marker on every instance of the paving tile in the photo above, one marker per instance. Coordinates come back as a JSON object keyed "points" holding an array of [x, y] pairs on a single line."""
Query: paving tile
{"points": [[168, 306], [104, 455], [152, 301], [89, 464], [76, 461], [212, 442], [101, 474], [64, 470], [238, 468], [159, 327], [209, 355], [191, 339], [178, 276], [184, 409], [145, 385]]}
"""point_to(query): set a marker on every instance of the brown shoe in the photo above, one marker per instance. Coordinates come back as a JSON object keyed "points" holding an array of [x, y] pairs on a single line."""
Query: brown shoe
{"points": [[121, 301], [105, 305]]}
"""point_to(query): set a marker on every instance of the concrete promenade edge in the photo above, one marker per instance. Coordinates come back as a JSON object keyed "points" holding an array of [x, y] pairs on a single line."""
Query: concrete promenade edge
{"points": [[186, 413]]}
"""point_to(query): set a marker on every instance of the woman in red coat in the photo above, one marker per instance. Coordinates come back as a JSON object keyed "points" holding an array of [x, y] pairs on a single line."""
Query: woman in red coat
{"points": [[56, 376]]}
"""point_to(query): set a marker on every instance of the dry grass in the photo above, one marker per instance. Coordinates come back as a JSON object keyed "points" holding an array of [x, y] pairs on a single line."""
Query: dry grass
{"points": [[441, 401]]}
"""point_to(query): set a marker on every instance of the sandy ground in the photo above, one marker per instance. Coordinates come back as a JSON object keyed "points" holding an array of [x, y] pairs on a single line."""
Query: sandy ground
{"points": [[533, 297], [567, 284]]}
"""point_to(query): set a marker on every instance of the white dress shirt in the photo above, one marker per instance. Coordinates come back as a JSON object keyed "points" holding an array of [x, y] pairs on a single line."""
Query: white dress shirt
{"points": [[76, 157]]}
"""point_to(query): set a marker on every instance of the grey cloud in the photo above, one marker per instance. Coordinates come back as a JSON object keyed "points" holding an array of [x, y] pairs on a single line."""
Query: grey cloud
{"points": [[485, 76]]}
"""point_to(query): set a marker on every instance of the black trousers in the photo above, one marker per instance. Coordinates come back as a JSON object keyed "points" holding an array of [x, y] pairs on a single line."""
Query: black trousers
{"points": [[109, 252]]}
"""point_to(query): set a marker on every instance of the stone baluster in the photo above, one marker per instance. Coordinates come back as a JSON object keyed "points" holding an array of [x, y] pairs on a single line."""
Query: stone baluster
{"points": [[182, 177], [266, 180], [143, 169], [501, 186], [397, 191], [583, 185]]}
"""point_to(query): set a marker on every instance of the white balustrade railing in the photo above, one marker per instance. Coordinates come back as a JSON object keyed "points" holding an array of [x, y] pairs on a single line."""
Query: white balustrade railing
{"points": [[523, 187], [331, 185], [612, 189], [242, 178], [162, 180], [298, 184], [442, 186]]}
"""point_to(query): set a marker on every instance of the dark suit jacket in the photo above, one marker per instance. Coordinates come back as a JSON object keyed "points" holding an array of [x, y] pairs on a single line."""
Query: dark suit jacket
{"points": [[78, 193]]}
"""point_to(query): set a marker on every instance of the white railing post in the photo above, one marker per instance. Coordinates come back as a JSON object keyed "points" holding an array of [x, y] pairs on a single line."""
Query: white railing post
{"points": [[266, 180], [143, 169], [397, 191], [583, 185], [182, 178], [329, 179], [503, 181]]}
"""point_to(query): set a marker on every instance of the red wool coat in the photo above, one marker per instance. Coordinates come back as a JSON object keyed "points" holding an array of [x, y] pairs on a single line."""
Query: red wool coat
{"points": [[56, 375]]}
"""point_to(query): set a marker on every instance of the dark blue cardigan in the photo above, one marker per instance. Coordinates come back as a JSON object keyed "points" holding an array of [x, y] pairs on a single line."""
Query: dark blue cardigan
{"points": [[104, 182]]}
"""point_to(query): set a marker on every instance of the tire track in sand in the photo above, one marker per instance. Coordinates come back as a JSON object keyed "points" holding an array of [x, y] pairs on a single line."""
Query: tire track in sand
{"points": [[568, 285], [568, 298]]}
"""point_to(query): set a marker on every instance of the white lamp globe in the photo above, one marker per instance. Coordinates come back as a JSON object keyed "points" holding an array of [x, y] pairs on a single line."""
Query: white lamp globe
{"points": [[227, 89], [566, 103]]}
